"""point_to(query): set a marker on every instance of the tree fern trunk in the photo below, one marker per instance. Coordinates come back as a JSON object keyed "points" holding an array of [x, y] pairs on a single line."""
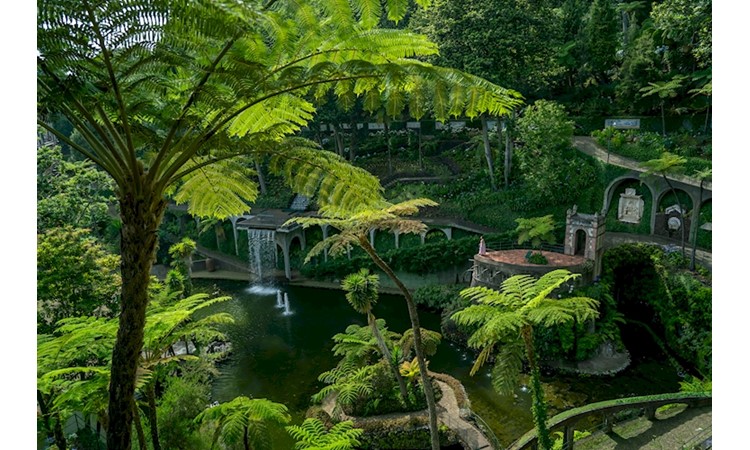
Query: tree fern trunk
{"points": [[389, 145], [488, 153], [139, 428], [538, 405], [58, 433], [151, 415], [261, 178], [141, 213], [682, 213], [414, 318], [387, 355], [695, 236]]}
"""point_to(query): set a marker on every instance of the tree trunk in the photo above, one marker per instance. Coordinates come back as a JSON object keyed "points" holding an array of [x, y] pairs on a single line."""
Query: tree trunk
{"points": [[387, 355], [389, 145], [414, 318], [58, 433], [682, 213], [695, 235], [261, 178], [488, 153], [139, 428], [246, 439], [419, 146], [151, 415], [141, 213], [353, 140], [538, 405], [508, 154]]}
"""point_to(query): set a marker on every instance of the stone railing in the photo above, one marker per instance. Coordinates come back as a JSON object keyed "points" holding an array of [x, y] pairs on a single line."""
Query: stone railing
{"points": [[647, 404]]}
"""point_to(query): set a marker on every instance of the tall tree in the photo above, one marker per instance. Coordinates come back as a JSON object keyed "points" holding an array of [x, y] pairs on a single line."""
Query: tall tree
{"points": [[362, 294], [507, 320], [176, 96], [600, 41], [663, 90], [355, 226]]}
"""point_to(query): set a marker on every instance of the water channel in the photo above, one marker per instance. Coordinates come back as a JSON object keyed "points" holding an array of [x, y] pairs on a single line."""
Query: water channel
{"points": [[280, 348]]}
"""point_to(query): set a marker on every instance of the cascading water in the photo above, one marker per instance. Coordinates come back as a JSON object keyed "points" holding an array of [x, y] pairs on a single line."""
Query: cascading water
{"points": [[262, 251], [287, 311]]}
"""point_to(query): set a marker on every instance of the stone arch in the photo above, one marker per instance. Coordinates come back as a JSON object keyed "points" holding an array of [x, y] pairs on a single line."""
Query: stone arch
{"points": [[703, 218], [437, 234], [664, 214], [616, 193], [579, 246]]}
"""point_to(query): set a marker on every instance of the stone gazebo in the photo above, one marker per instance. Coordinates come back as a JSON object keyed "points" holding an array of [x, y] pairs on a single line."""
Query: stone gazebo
{"points": [[582, 252]]}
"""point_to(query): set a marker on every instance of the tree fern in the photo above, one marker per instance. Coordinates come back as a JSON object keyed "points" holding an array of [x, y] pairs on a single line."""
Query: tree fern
{"points": [[505, 320], [244, 418], [313, 435]]}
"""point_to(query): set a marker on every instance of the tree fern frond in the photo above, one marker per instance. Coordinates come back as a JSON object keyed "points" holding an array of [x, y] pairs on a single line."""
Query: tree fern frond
{"points": [[507, 368], [220, 190]]}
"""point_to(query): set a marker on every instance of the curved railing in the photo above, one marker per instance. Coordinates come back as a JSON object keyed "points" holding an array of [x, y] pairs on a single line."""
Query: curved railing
{"points": [[486, 430], [649, 403]]}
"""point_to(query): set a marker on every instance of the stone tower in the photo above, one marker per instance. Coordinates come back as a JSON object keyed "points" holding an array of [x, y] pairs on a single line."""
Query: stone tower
{"points": [[584, 234]]}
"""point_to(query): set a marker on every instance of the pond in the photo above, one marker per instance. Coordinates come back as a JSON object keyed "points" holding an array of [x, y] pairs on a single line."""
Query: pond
{"points": [[279, 356]]}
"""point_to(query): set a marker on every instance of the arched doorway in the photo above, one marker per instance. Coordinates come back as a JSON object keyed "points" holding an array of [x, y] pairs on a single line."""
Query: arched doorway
{"points": [[580, 247]]}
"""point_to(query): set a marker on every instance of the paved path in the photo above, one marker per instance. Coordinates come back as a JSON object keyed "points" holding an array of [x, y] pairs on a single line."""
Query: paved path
{"points": [[589, 146]]}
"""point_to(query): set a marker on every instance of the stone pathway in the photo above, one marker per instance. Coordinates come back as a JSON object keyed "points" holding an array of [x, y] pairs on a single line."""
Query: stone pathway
{"points": [[589, 146]]}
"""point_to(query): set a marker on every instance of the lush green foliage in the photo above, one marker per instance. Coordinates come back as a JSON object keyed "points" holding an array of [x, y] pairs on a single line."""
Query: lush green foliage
{"points": [[71, 193], [537, 230], [76, 276], [667, 295]]}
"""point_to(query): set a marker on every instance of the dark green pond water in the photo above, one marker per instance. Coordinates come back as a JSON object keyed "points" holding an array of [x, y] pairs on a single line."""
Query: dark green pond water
{"points": [[279, 357]]}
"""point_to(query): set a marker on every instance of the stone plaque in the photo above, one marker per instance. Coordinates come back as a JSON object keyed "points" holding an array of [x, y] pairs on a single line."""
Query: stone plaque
{"points": [[630, 208]]}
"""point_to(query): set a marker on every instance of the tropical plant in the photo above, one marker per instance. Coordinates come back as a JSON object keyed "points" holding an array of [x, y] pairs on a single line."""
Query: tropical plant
{"points": [[669, 164], [362, 294], [536, 230], [73, 363], [181, 98], [358, 344], [410, 369], [507, 319], [313, 435], [244, 420], [355, 226], [348, 380]]}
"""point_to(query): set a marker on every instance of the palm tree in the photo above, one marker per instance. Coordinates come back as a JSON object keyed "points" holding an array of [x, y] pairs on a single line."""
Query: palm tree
{"points": [[668, 164], [702, 175], [244, 420], [355, 226], [313, 435], [181, 98], [362, 294], [507, 319]]}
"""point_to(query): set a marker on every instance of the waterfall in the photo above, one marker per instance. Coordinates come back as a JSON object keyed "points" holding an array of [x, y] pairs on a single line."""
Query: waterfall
{"points": [[279, 301], [262, 251]]}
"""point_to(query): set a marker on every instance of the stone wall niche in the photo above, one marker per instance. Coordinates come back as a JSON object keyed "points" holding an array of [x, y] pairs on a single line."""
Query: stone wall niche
{"points": [[630, 208]]}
